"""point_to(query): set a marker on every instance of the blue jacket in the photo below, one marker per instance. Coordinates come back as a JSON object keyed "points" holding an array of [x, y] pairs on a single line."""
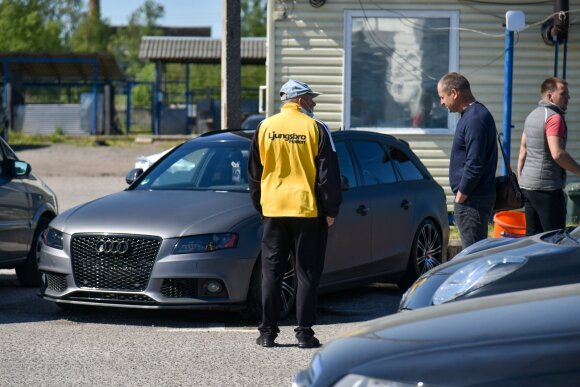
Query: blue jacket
{"points": [[474, 152]]}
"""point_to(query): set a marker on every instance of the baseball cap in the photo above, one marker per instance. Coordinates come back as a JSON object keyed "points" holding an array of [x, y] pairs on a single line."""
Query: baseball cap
{"points": [[293, 89]]}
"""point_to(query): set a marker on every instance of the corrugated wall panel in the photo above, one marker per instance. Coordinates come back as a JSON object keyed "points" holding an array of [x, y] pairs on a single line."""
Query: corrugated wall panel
{"points": [[45, 119], [308, 45]]}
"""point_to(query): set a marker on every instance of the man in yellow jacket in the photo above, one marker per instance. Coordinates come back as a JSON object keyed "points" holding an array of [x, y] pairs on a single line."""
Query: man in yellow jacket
{"points": [[295, 185]]}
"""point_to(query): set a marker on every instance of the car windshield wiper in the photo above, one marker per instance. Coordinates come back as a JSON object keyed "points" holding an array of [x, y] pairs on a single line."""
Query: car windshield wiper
{"points": [[565, 234]]}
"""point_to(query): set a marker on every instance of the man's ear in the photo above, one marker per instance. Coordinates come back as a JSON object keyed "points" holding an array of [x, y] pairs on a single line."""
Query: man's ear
{"points": [[455, 93]]}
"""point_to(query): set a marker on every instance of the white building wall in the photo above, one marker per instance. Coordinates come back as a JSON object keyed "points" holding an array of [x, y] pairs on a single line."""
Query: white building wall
{"points": [[307, 43]]}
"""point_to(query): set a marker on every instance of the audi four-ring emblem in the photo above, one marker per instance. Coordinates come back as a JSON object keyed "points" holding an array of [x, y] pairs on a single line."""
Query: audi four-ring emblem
{"points": [[107, 246]]}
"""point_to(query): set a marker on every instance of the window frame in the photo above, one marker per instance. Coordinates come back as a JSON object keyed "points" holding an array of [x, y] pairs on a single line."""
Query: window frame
{"points": [[453, 17]]}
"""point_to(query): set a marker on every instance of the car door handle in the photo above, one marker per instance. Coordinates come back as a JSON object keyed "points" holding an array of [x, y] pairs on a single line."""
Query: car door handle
{"points": [[362, 210], [406, 204]]}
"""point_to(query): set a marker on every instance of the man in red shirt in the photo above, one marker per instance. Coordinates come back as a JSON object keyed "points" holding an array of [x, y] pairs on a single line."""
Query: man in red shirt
{"points": [[543, 159]]}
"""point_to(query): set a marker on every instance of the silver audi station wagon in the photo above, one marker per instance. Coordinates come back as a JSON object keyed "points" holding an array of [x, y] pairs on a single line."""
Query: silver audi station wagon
{"points": [[184, 234]]}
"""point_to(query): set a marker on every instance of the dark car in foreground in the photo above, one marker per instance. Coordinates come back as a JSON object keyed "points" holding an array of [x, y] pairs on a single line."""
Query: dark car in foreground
{"points": [[528, 338], [500, 265], [185, 233], [27, 205]]}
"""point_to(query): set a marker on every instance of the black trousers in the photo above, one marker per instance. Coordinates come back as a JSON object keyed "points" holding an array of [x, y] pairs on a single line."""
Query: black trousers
{"points": [[545, 210], [472, 218], [306, 237]]}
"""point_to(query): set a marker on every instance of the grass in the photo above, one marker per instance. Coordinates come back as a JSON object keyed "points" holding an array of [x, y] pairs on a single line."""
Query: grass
{"points": [[23, 139], [454, 232]]}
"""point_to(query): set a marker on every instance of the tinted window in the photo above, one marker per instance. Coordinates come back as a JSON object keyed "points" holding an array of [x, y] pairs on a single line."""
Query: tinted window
{"points": [[404, 165], [375, 164], [345, 163]]}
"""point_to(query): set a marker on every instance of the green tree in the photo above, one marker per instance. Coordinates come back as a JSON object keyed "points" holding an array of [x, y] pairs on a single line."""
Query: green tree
{"points": [[253, 17], [70, 13], [91, 35], [126, 42], [26, 25]]}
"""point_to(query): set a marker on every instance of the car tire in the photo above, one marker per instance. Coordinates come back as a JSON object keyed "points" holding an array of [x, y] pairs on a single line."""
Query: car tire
{"points": [[288, 294], [27, 273], [426, 253]]}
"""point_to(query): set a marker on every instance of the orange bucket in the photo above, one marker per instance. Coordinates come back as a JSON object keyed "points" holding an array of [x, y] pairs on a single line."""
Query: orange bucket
{"points": [[509, 224]]}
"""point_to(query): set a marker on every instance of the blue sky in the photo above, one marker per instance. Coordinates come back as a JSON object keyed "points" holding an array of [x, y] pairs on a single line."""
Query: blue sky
{"points": [[178, 13]]}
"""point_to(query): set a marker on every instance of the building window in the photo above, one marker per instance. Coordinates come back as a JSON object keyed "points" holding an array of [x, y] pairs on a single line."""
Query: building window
{"points": [[393, 62]]}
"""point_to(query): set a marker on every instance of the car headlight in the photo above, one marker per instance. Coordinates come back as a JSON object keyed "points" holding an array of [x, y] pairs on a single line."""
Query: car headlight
{"points": [[53, 238], [475, 275], [206, 243], [364, 381]]}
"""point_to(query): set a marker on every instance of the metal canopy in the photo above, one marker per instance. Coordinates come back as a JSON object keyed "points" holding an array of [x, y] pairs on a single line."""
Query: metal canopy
{"points": [[172, 49], [60, 66]]}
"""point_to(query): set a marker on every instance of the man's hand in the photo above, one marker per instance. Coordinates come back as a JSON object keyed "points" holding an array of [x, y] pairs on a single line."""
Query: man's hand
{"points": [[460, 197], [329, 221]]}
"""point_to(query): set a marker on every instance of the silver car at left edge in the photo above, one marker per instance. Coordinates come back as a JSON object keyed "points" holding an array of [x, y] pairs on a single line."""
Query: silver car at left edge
{"points": [[185, 234]]}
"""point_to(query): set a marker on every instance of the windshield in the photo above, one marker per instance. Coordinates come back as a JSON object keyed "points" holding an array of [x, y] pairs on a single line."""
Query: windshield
{"points": [[207, 166]]}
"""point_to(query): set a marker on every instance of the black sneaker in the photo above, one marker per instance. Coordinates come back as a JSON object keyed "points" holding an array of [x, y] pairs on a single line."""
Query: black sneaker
{"points": [[266, 340], [308, 342]]}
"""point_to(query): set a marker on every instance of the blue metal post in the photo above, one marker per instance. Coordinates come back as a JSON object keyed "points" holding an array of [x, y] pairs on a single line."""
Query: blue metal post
{"points": [[95, 95], [153, 104], [5, 96], [507, 91], [5, 92], [187, 99], [128, 107], [157, 97]]}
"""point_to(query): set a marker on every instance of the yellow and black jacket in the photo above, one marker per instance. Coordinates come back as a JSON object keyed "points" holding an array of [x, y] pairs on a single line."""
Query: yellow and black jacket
{"points": [[293, 167]]}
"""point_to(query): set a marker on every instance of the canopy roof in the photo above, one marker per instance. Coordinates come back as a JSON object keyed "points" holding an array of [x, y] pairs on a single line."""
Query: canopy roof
{"points": [[198, 50], [59, 66]]}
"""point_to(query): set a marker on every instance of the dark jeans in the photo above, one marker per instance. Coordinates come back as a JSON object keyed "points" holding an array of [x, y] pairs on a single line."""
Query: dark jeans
{"points": [[545, 210], [306, 237], [472, 218]]}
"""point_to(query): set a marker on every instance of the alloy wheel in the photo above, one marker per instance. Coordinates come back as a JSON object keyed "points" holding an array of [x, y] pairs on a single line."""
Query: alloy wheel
{"points": [[429, 248]]}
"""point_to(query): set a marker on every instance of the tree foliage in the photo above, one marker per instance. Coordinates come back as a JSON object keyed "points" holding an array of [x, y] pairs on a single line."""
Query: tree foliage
{"points": [[126, 42], [253, 17], [26, 25], [91, 35]]}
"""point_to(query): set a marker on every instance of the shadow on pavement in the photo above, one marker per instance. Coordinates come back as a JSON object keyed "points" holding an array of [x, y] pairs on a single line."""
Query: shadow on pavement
{"points": [[18, 148], [23, 305]]}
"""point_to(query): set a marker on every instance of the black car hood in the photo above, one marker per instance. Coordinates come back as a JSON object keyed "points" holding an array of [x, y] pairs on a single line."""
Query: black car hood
{"points": [[467, 342]]}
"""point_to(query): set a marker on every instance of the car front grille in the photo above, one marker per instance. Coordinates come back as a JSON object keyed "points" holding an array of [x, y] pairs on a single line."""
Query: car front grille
{"points": [[113, 262], [56, 282], [179, 288]]}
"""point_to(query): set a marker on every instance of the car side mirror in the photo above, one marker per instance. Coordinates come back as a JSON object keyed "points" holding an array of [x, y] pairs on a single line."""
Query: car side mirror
{"points": [[133, 175], [344, 184], [21, 168]]}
